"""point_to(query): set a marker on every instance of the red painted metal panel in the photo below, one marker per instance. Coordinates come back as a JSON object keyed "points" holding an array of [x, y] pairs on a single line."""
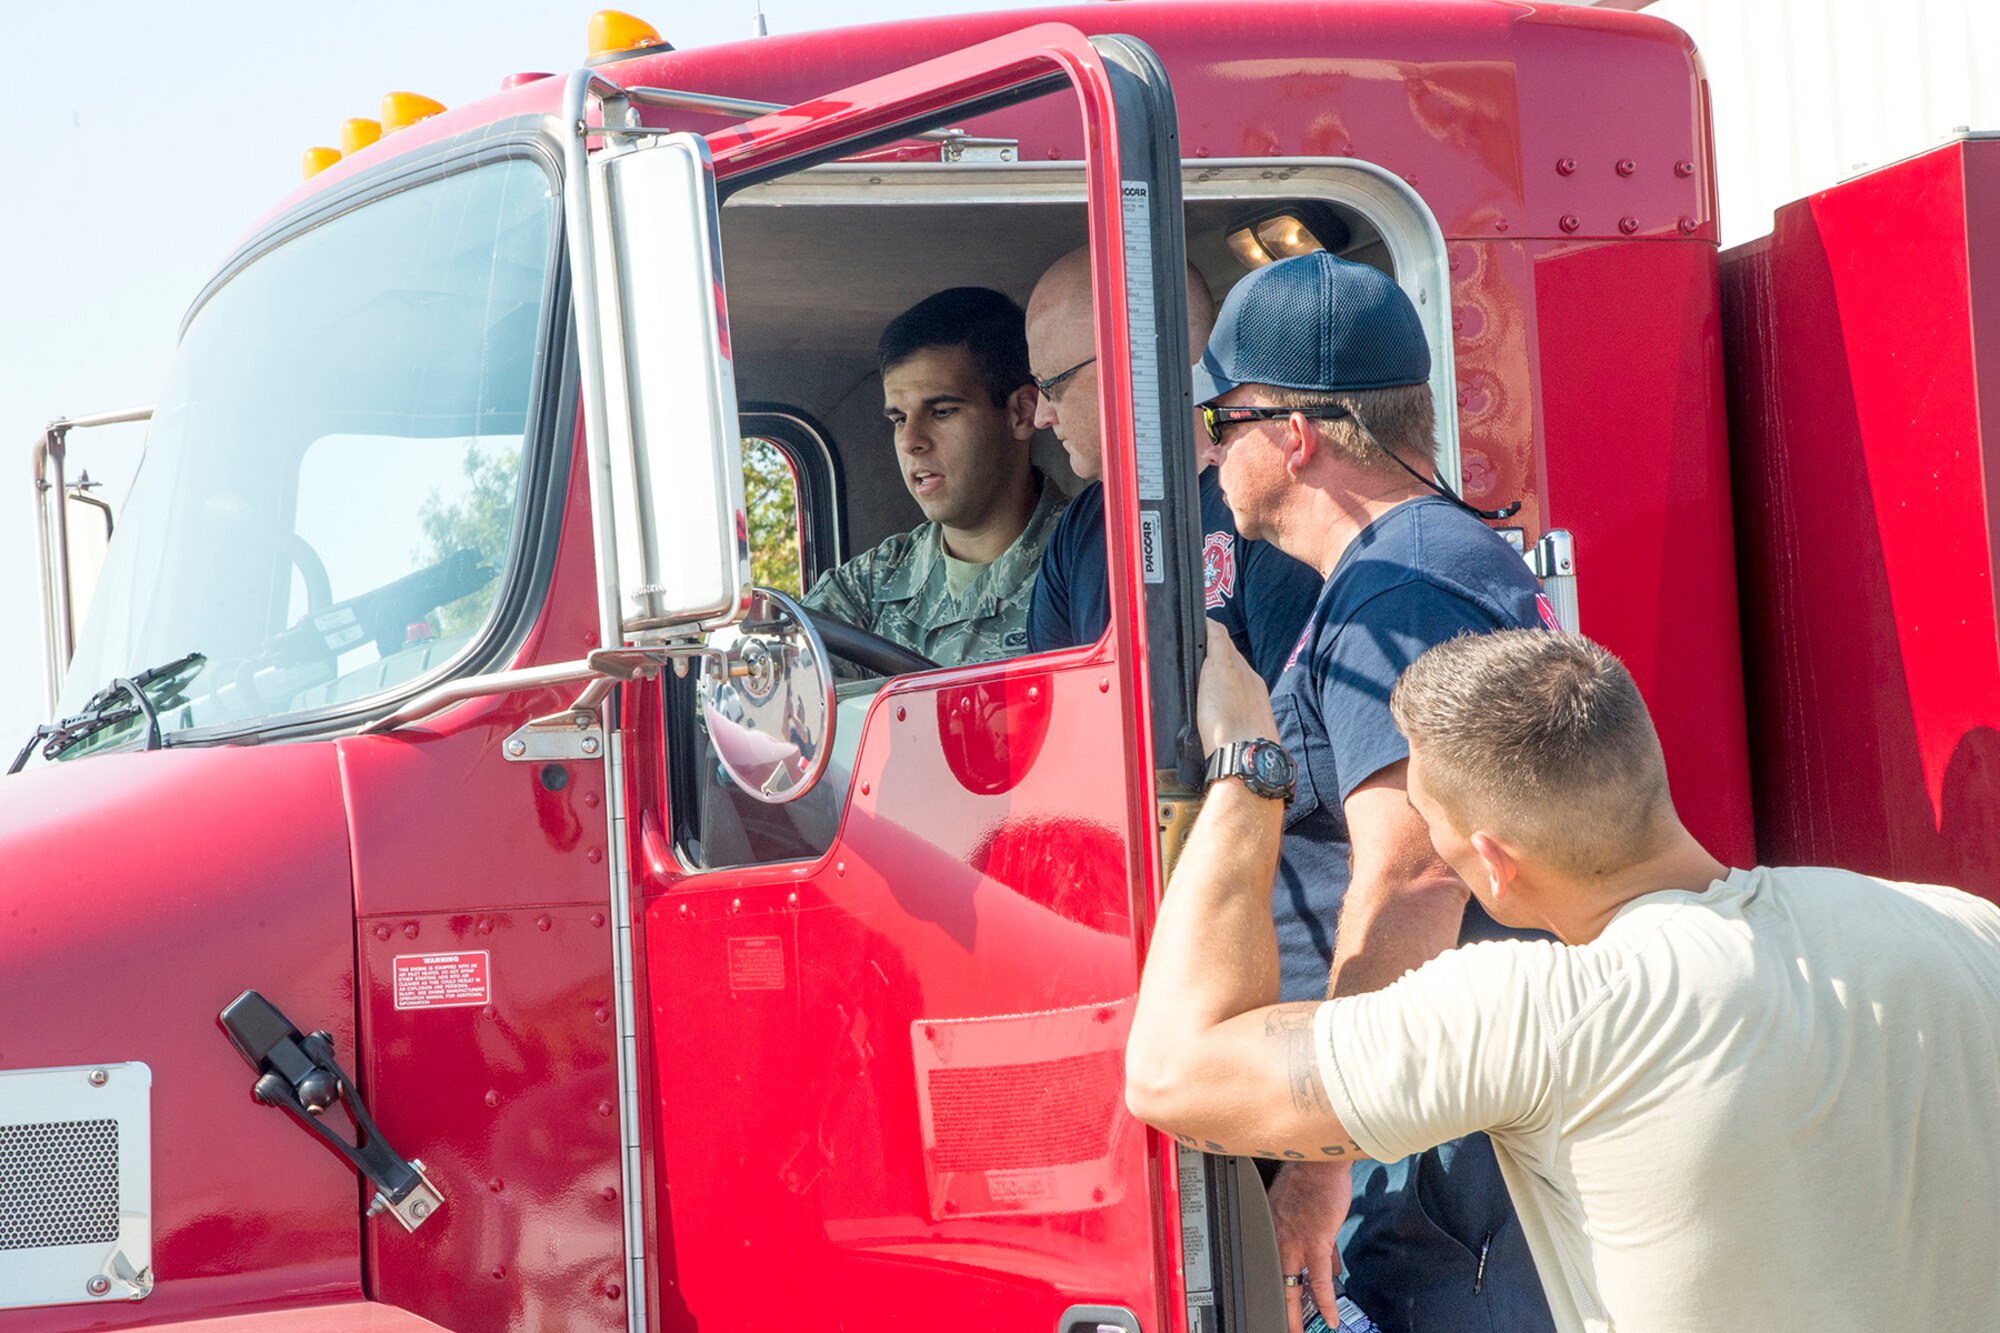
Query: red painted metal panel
{"points": [[1510, 118], [457, 850], [512, 1105], [1857, 352], [440, 821], [897, 1074], [1635, 463], [141, 894], [808, 1152]]}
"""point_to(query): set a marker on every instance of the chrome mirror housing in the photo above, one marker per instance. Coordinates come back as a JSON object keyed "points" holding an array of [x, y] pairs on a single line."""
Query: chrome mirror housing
{"points": [[657, 366], [767, 699]]}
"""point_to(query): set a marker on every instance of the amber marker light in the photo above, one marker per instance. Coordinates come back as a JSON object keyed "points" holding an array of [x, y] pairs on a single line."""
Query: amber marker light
{"points": [[357, 133], [317, 160], [402, 110], [613, 33], [1294, 229]]}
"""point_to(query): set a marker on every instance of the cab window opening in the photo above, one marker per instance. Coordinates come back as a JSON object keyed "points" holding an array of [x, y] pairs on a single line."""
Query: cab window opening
{"points": [[812, 284]]}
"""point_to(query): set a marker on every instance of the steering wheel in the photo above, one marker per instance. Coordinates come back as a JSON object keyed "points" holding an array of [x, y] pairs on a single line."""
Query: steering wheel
{"points": [[885, 657], [312, 571]]}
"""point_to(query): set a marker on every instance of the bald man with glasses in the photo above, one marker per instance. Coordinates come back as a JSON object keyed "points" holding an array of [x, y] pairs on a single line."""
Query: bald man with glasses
{"points": [[1258, 593]]}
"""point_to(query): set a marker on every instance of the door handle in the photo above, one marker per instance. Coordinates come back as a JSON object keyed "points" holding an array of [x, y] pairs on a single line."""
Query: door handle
{"points": [[299, 1074]]}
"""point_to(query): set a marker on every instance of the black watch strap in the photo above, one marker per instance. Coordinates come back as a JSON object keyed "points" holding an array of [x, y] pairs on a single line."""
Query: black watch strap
{"points": [[1265, 767]]}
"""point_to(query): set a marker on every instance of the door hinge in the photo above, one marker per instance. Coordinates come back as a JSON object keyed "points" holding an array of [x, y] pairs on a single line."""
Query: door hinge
{"points": [[1554, 562]]}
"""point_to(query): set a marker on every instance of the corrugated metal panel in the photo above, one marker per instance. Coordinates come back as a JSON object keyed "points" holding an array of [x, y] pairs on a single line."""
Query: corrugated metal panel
{"points": [[1807, 91]]}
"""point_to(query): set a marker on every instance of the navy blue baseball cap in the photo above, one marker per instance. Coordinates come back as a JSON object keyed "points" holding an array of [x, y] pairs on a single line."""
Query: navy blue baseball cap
{"points": [[1315, 321]]}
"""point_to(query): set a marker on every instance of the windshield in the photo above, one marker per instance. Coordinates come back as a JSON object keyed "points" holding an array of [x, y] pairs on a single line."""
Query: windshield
{"points": [[331, 482]]}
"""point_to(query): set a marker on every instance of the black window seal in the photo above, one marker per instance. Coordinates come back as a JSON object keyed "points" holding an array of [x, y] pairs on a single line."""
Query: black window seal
{"points": [[821, 478]]}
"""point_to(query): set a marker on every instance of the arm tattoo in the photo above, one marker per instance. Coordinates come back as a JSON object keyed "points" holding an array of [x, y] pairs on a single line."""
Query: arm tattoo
{"points": [[1293, 1024], [1332, 1152]]}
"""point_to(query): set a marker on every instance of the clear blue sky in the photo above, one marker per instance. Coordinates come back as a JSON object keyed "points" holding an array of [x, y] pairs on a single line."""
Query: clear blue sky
{"points": [[147, 137]]}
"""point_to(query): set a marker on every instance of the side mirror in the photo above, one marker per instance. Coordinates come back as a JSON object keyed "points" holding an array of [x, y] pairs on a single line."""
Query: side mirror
{"points": [[90, 526], [651, 291], [73, 534], [767, 698]]}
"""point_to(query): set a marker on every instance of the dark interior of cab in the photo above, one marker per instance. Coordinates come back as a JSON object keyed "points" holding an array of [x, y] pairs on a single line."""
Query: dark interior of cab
{"points": [[812, 285], [814, 267]]}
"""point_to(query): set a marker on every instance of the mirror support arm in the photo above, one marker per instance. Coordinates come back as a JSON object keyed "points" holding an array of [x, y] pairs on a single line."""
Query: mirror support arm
{"points": [[52, 536], [604, 668]]}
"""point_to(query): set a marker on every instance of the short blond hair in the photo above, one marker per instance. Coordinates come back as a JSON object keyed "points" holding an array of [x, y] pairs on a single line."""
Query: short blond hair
{"points": [[1402, 419], [1541, 739]]}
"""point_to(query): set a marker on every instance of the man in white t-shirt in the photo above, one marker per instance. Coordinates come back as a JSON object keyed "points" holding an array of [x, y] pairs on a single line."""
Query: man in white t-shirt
{"points": [[1730, 1099]]}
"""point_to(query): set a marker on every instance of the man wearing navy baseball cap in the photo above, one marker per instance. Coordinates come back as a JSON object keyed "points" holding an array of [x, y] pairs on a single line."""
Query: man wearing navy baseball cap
{"points": [[1314, 390]]}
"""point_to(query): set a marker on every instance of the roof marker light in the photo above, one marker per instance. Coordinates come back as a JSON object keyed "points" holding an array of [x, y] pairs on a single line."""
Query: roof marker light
{"points": [[612, 32], [402, 110], [317, 160], [357, 133]]}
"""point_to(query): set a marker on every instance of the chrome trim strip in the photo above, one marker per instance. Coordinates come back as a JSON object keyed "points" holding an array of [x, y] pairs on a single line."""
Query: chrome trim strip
{"points": [[440, 697], [581, 243]]}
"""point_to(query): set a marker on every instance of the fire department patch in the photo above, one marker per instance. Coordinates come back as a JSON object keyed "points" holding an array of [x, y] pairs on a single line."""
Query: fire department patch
{"points": [[1300, 646], [1548, 610], [1218, 569]]}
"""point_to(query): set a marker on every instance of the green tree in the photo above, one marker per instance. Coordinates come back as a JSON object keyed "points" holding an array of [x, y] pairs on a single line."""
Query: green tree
{"points": [[481, 521], [770, 494]]}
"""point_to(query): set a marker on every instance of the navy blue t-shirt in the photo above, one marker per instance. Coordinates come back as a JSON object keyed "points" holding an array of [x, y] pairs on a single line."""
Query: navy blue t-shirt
{"points": [[1422, 573], [1431, 1242], [1257, 592]]}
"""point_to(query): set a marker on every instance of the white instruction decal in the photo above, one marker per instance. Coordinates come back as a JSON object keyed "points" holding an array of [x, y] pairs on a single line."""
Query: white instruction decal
{"points": [[1196, 1268], [1135, 200], [756, 962], [442, 980]]}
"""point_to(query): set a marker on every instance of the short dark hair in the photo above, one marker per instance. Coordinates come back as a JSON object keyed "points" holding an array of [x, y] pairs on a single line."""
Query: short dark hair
{"points": [[984, 322], [1542, 739]]}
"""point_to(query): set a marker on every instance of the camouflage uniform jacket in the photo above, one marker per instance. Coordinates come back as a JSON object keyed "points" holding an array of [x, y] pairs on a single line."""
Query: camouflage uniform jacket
{"points": [[898, 591]]}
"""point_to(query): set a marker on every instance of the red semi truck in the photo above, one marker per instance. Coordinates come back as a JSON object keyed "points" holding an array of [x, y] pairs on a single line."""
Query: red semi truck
{"points": [[433, 785]]}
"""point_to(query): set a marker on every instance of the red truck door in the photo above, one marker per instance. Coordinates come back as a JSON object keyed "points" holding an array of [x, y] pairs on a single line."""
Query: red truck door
{"points": [[887, 1066]]}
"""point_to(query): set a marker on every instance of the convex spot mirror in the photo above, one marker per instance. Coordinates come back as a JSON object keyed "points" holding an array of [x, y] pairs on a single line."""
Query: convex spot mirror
{"points": [[767, 699], [669, 388]]}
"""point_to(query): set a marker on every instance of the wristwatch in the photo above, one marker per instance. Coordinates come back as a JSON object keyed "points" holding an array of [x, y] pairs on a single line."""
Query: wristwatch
{"points": [[1266, 768]]}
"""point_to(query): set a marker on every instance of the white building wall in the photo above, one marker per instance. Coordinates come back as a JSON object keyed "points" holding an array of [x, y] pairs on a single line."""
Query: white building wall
{"points": [[1807, 91]]}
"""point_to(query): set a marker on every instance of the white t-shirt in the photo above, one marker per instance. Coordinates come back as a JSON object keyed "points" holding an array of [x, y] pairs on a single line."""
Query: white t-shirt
{"points": [[1774, 1104]]}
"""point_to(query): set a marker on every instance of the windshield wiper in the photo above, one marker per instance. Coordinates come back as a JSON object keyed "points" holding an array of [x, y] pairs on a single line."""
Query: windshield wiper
{"points": [[104, 710]]}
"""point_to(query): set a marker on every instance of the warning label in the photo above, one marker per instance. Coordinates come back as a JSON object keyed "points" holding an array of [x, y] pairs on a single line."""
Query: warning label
{"points": [[756, 962], [442, 980]]}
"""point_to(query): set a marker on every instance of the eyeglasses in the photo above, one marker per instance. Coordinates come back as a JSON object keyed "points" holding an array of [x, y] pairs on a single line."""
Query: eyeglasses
{"points": [[1048, 387], [1219, 419]]}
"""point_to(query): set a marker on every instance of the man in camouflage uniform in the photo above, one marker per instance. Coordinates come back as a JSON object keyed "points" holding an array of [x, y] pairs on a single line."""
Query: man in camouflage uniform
{"points": [[961, 407]]}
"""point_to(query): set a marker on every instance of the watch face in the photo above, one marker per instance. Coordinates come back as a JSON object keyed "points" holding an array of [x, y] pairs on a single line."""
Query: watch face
{"points": [[1274, 766]]}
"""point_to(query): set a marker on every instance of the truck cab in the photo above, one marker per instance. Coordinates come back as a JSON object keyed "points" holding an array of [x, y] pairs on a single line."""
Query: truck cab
{"points": [[721, 971]]}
